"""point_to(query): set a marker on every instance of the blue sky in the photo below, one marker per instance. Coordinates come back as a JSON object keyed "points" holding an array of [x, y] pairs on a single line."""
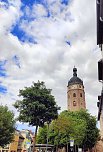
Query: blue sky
{"points": [[3, 71], [2, 68], [24, 126], [43, 40], [20, 32], [3, 89]]}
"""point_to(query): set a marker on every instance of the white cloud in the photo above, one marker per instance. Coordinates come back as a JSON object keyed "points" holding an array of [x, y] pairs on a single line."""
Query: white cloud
{"points": [[52, 60], [9, 15]]}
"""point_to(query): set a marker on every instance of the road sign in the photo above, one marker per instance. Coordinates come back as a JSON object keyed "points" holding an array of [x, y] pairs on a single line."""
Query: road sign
{"points": [[79, 149], [71, 142]]}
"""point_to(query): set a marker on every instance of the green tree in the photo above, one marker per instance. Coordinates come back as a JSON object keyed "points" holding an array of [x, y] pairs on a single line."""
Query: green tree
{"points": [[42, 135], [7, 125], [79, 125], [37, 106], [92, 132], [58, 132], [85, 133], [62, 129]]}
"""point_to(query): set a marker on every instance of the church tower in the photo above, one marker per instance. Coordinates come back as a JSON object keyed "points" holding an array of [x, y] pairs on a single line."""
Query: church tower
{"points": [[75, 93]]}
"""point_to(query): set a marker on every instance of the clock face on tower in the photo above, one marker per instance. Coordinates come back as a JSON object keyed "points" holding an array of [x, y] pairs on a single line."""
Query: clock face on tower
{"points": [[74, 87]]}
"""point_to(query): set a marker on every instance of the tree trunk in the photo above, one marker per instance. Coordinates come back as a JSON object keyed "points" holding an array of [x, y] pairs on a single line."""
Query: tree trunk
{"points": [[34, 141]]}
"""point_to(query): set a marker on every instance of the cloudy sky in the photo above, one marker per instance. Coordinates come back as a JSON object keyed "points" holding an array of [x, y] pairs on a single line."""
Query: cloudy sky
{"points": [[43, 40]]}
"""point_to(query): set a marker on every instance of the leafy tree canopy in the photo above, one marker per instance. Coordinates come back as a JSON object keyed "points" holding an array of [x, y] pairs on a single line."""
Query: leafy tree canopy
{"points": [[42, 135], [92, 132], [37, 105], [7, 125], [79, 125]]}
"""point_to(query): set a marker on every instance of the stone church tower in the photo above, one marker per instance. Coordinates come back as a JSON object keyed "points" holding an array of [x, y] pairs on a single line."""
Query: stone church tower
{"points": [[75, 93]]}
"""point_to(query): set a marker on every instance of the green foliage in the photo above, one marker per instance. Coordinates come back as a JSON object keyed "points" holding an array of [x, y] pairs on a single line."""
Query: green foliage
{"points": [[67, 127], [92, 132], [79, 125], [42, 135], [7, 125], [59, 131], [37, 106]]}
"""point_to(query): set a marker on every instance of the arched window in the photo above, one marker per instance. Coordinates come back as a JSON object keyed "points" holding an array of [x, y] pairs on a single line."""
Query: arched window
{"points": [[74, 103], [80, 94], [74, 94]]}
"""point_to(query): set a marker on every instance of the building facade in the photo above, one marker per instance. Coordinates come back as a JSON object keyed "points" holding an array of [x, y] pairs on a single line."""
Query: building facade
{"points": [[14, 144], [21, 142], [100, 113], [75, 93], [99, 20], [12, 147]]}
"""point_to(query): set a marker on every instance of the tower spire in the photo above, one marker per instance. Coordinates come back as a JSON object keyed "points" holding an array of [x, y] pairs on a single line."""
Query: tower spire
{"points": [[75, 71]]}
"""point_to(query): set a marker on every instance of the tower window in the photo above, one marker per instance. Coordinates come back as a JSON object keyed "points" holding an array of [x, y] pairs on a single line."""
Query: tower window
{"points": [[74, 103], [80, 94], [74, 94], [79, 86]]}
